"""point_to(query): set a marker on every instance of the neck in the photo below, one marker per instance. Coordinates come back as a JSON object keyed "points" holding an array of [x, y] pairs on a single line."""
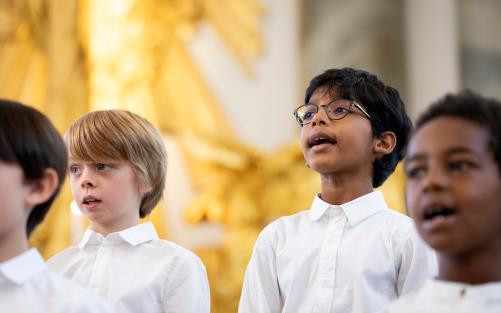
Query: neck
{"points": [[339, 189], [107, 228], [479, 267], [13, 244]]}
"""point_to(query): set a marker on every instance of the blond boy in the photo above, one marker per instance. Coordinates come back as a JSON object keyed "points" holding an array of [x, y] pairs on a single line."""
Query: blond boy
{"points": [[117, 168]]}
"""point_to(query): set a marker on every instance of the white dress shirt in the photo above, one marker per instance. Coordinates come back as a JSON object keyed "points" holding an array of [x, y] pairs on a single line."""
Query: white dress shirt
{"points": [[438, 296], [354, 257], [135, 271], [27, 286]]}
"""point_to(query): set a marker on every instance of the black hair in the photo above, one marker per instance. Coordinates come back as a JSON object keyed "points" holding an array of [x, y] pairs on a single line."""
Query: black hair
{"points": [[28, 139], [470, 106], [382, 102]]}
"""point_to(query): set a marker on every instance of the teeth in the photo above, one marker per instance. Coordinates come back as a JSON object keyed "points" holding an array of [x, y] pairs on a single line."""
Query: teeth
{"points": [[437, 211], [87, 201]]}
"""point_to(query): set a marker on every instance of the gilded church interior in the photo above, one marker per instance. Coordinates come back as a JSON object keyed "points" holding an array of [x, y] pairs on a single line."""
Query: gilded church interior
{"points": [[220, 79]]}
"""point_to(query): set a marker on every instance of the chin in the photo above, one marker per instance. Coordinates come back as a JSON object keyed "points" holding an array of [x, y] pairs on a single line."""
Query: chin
{"points": [[323, 170], [443, 245]]}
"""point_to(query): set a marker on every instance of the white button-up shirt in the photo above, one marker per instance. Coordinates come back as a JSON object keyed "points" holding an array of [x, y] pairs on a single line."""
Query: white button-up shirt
{"points": [[135, 271], [439, 296], [27, 286], [354, 257]]}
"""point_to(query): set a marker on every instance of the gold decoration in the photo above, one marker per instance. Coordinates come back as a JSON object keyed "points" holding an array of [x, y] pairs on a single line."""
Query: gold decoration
{"points": [[68, 57]]}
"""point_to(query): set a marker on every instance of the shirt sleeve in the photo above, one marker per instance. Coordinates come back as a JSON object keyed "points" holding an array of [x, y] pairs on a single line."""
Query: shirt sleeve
{"points": [[187, 287], [261, 291], [418, 263]]}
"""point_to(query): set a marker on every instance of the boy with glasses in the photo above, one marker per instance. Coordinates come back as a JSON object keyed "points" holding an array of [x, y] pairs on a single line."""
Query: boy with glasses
{"points": [[349, 252]]}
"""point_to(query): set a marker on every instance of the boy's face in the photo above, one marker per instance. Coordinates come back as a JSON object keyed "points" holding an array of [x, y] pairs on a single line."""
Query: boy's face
{"points": [[14, 192], [330, 146], [453, 186], [107, 193]]}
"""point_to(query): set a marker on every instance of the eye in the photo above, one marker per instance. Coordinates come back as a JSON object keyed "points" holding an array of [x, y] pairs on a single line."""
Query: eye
{"points": [[307, 112], [338, 108], [341, 110], [461, 165], [74, 169], [308, 116], [415, 172], [102, 167]]}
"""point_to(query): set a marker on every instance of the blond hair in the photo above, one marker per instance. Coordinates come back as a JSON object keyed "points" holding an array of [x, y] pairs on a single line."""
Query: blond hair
{"points": [[119, 135]]}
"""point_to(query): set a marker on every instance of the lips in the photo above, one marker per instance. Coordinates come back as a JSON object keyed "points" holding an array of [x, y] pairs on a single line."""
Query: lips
{"points": [[90, 202], [320, 138], [436, 216], [435, 210]]}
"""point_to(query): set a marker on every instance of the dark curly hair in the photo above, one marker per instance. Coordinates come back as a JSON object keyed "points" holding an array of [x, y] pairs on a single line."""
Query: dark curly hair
{"points": [[470, 106]]}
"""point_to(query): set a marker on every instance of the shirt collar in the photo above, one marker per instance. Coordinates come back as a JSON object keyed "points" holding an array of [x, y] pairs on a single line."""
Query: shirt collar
{"points": [[356, 210], [447, 289], [23, 267], [133, 235]]}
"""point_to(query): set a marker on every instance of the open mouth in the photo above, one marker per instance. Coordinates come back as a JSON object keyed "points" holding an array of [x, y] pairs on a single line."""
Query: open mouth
{"points": [[321, 139], [90, 201], [438, 217], [433, 211]]}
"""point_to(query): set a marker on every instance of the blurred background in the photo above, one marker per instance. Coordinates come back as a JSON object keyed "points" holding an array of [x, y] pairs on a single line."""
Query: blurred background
{"points": [[220, 79]]}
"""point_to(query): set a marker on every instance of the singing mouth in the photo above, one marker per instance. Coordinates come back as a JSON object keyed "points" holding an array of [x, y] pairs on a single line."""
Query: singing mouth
{"points": [[433, 211], [320, 138], [90, 200]]}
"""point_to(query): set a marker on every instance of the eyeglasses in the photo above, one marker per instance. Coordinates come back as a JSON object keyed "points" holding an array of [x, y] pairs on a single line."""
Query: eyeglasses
{"points": [[336, 110]]}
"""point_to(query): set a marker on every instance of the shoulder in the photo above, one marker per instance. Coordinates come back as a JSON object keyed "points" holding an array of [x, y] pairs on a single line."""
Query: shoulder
{"points": [[400, 232], [283, 227], [397, 225], [176, 254], [71, 296], [62, 259]]}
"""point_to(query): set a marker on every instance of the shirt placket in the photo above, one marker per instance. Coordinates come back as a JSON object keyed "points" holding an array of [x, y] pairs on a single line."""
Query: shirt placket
{"points": [[100, 270], [327, 260]]}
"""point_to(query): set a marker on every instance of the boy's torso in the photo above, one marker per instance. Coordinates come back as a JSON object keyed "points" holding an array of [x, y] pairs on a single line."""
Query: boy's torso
{"points": [[37, 289], [132, 278], [338, 262]]}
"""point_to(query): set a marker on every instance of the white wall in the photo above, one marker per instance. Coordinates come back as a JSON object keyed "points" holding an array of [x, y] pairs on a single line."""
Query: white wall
{"points": [[260, 107]]}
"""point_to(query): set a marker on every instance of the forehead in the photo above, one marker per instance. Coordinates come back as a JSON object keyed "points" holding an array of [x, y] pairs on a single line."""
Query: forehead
{"points": [[324, 94], [447, 133]]}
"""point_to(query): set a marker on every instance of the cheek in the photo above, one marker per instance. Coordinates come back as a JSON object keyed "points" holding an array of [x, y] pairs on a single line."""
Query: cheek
{"points": [[73, 185], [411, 199], [302, 142]]}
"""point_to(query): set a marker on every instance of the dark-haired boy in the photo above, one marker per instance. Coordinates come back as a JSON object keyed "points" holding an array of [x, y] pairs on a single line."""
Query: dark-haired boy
{"points": [[453, 167], [32, 168], [349, 252]]}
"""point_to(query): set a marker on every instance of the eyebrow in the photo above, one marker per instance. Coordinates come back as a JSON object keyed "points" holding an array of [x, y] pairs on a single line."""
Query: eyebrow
{"points": [[328, 102], [449, 152]]}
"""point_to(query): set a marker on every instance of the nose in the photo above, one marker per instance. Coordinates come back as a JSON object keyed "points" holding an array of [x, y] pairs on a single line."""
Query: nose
{"points": [[435, 179], [87, 179], [320, 117]]}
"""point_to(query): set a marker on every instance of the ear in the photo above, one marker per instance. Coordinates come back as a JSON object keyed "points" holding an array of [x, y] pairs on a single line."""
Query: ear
{"points": [[42, 189], [145, 189], [385, 144]]}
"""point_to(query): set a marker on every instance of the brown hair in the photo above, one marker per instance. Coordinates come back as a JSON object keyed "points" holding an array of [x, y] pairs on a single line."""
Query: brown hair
{"points": [[103, 136]]}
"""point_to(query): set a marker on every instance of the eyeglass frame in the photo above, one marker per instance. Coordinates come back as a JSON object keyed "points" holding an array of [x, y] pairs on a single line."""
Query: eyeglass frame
{"points": [[325, 106]]}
